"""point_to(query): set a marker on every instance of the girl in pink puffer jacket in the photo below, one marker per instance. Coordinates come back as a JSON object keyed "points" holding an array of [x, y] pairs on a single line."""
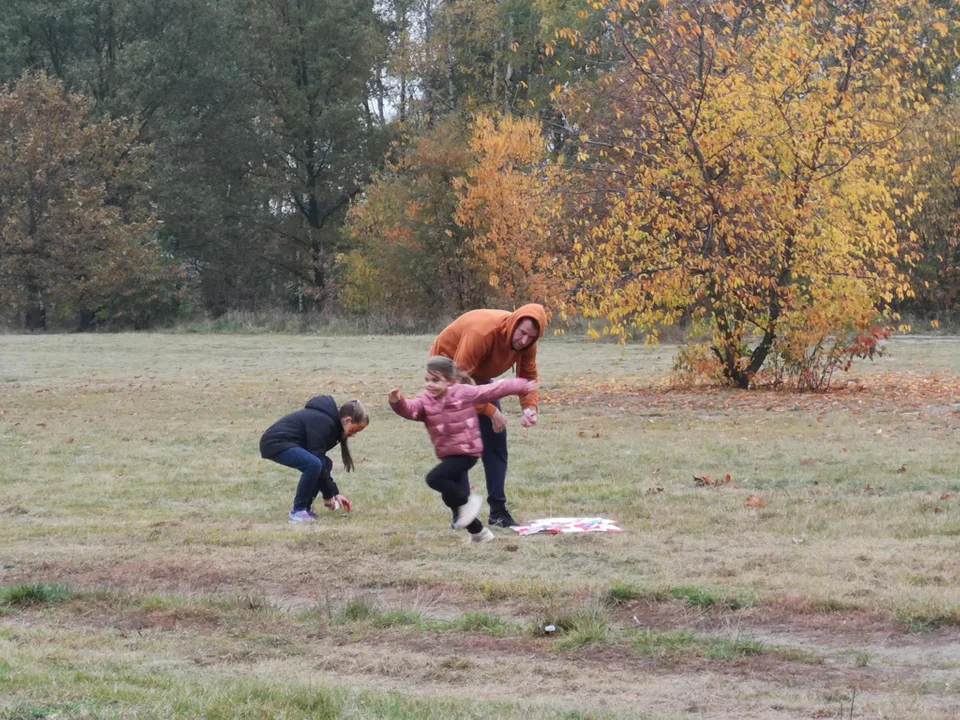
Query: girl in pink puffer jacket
{"points": [[448, 407]]}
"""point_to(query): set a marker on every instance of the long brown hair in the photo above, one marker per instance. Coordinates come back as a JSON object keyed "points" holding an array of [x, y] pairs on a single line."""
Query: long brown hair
{"points": [[444, 366], [358, 415]]}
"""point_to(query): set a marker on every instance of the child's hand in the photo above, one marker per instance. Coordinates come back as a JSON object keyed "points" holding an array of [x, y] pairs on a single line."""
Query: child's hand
{"points": [[395, 396], [533, 385], [337, 502]]}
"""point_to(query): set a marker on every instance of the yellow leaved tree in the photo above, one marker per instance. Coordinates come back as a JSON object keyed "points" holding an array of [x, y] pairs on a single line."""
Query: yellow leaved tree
{"points": [[750, 154], [511, 203]]}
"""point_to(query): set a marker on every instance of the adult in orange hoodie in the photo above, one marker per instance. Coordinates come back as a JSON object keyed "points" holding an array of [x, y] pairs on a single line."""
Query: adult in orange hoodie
{"points": [[485, 344]]}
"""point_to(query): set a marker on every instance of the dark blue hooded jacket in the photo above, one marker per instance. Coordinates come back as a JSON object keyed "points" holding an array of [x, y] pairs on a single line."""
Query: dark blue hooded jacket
{"points": [[317, 429]]}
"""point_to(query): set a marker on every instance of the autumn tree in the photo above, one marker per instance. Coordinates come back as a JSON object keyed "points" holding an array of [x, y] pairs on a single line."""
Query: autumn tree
{"points": [[749, 153], [173, 69], [510, 201], [412, 259], [934, 234], [72, 227]]}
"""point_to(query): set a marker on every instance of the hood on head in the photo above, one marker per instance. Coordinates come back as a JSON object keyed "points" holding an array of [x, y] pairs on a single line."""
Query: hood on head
{"points": [[534, 311], [325, 404]]}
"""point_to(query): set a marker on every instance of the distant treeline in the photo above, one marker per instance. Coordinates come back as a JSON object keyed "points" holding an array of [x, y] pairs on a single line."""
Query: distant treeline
{"points": [[786, 171]]}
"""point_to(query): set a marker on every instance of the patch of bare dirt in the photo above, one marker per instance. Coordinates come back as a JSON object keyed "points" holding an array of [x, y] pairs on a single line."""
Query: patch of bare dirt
{"points": [[156, 575], [677, 615]]}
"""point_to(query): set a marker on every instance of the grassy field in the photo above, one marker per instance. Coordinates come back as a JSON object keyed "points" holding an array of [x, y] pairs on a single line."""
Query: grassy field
{"points": [[147, 568]]}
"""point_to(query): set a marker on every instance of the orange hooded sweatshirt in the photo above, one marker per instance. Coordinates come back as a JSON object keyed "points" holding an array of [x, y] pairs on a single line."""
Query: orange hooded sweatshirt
{"points": [[480, 343]]}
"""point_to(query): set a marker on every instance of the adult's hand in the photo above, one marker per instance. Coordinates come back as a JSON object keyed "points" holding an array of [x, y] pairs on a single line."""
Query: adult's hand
{"points": [[529, 419], [499, 421]]}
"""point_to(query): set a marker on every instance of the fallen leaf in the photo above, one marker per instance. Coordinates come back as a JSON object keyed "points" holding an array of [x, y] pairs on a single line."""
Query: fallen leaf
{"points": [[580, 433], [705, 480], [946, 496], [755, 501], [69, 441], [902, 468], [868, 488], [937, 510], [41, 425], [809, 461], [596, 435], [727, 478], [654, 490]]}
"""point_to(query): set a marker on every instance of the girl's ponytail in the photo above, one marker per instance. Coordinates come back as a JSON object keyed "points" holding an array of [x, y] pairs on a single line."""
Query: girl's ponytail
{"points": [[345, 455], [358, 415]]}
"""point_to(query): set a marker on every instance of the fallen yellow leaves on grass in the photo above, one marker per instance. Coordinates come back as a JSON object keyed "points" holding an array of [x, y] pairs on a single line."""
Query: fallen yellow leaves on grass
{"points": [[903, 390]]}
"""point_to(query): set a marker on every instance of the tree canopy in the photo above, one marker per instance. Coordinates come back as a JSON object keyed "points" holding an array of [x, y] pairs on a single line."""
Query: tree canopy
{"points": [[782, 174]]}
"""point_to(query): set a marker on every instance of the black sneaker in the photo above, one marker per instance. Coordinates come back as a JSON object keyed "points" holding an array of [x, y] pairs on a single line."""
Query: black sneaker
{"points": [[501, 518]]}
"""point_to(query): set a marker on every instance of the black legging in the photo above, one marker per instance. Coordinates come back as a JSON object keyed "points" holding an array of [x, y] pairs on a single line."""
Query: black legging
{"points": [[451, 479]]}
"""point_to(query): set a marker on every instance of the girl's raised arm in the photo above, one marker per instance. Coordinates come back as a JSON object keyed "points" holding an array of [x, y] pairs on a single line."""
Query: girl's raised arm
{"points": [[409, 409], [494, 391]]}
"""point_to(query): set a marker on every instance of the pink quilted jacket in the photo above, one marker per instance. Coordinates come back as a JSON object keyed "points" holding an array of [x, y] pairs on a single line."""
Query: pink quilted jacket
{"points": [[452, 420]]}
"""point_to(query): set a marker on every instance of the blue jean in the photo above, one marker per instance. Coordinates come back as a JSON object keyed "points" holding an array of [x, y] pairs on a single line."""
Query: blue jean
{"points": [[494, 460], [311, 468]]}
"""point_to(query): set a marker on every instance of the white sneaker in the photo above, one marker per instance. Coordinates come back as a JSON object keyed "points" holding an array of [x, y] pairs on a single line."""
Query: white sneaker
{"points": [[484, 536], [468, 512]]}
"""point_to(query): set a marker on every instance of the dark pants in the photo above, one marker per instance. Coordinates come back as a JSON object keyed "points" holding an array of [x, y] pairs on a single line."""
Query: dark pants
{"points": [[494, 462], [451, 478], [311, 468]]}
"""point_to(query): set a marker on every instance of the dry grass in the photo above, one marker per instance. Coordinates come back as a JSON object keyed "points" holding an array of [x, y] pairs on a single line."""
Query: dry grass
{"points": [[129, 466]]}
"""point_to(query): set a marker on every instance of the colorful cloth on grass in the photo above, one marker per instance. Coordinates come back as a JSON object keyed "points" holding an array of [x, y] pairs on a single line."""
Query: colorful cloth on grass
{"points": [[555, 526]]}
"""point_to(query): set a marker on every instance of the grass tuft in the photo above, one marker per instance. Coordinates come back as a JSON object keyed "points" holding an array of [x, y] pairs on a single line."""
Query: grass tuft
{"points": [[486, 624], [36, 594], [621, 593], [702, 598], [396, 618], [574, 630], [675, 644], [359, 609]]}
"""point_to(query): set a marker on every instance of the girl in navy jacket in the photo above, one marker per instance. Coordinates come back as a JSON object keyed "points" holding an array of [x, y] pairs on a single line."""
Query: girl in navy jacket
{"points": [[302, 439]]}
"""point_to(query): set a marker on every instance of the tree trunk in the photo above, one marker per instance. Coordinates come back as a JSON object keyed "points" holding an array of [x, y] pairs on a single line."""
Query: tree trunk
{"points": [[86, 317], [728, 354], [35, 313]]}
